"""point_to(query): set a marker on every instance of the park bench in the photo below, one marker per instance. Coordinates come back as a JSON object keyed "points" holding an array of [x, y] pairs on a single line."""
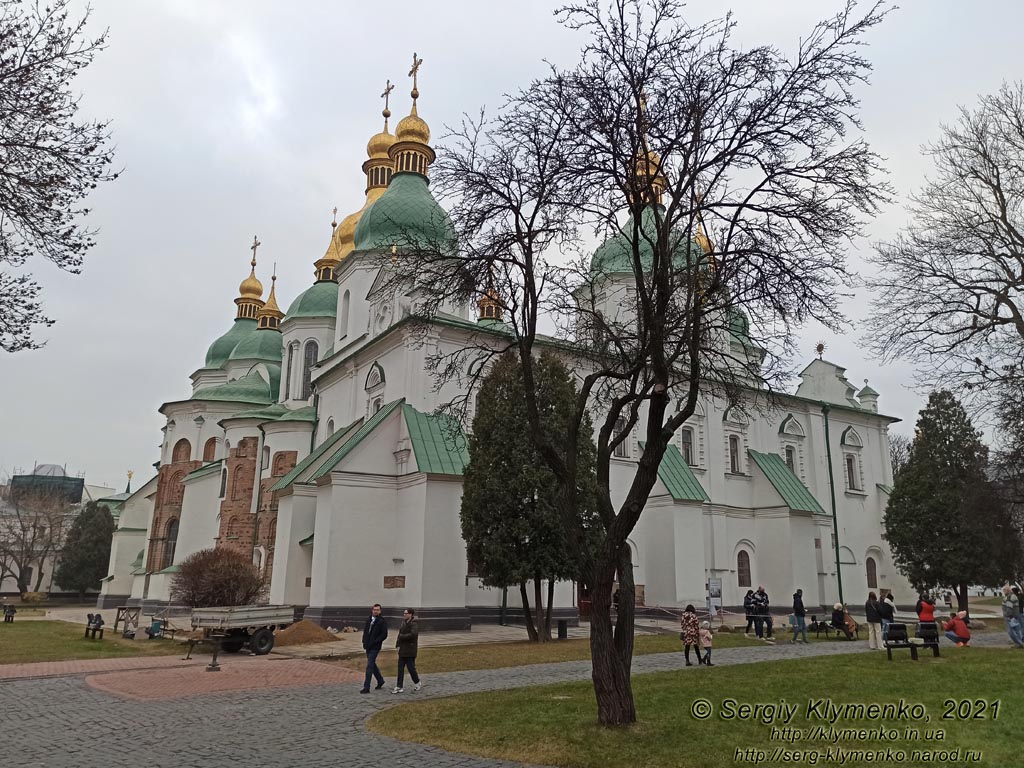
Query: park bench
{"points": [[94, 623], [897, 638], [819, 627]]}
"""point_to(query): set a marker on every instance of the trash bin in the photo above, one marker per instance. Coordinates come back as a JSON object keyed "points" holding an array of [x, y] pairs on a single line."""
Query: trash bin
{"points": [[563, 629]]}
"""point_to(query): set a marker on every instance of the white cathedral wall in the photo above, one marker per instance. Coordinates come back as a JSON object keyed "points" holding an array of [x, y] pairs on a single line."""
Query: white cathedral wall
{"points": [[200, 516], [124, 548], [293, 564], [444, 551], [296, 332]]}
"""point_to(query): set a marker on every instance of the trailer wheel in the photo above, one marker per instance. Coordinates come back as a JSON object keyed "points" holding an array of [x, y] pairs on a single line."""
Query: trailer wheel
{"points": [[261, 642]]}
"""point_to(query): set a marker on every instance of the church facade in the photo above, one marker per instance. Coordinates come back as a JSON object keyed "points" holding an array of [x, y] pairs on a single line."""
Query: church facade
{"points": [[311, 440]]}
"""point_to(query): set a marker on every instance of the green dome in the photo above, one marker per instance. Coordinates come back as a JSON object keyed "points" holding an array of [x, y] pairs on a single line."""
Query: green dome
{"points": [[251, 388], [615, 255], [406, 214], [319, 300], [220, 351], [262, 345]]}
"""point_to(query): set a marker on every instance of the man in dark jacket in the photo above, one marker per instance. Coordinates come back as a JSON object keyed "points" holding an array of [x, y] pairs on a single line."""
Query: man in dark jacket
{"points": [[375, 632], [799, 616], [887, 612], [407, 645], [762, 614], [874, 620], [748, 609]]}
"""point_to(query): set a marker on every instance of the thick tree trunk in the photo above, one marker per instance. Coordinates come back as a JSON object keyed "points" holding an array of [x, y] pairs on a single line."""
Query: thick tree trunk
{"points": [[542, 636], [609, 668], [531, 631], [961, 598], [547, 612]]}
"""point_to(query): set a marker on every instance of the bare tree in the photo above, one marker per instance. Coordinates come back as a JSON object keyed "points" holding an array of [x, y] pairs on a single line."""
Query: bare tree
{"points": [[49, 160], [33, 526], [899, 452], [949, 287], [742, 189]]}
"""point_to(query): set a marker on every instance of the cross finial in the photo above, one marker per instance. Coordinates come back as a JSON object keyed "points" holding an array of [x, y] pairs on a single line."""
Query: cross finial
{"points": [[255, 244], [387, 99], [412, 73], [273, 275], [334, 218]]}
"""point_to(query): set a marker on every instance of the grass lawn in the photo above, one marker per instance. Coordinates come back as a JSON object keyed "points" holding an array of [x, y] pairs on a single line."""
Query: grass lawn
{"points": [[556, 724], [29, 641], [454, 658]]}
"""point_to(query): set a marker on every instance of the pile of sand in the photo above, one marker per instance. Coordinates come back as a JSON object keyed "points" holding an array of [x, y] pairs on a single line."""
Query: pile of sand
{"points": [[304, 632]]}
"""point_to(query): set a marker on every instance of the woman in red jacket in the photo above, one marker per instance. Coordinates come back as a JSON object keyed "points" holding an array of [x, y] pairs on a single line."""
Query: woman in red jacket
{"points": [[956, 629], [925, 608]]}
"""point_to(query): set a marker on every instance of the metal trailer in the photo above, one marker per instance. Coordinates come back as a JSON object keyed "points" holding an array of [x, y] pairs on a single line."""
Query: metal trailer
{"points": [[234, 627]]}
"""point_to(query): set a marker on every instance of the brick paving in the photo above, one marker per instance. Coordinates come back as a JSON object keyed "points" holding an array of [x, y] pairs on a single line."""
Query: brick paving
{"points": [[67, 723], [87, 666]]}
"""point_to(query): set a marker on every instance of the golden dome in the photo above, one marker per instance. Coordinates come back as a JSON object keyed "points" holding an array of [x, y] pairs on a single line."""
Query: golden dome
{"points": [[251, 287], [379, 144], [413, 128]]}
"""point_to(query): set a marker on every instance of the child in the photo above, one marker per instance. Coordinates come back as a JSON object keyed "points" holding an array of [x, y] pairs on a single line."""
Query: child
{"points": [[705, 642]]}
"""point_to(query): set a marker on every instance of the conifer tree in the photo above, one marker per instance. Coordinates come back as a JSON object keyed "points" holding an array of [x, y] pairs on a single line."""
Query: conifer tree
{"points": [[86, 553], [510, 519], [946, 523]]}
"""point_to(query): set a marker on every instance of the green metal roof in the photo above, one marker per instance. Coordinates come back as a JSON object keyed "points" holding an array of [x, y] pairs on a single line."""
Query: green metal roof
{"points": [[206, 469], [319, 300], [312, 461], [887, 489], [137, 562], [130, 530], [437, 442], [221, 349], [678, 478], [262, 344], [306, 541], [793, 492], [349, 445], [251, 388], [171, 569], [406, 214]]}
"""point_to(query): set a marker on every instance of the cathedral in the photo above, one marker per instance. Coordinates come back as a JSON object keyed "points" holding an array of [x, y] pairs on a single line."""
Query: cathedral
{"points": [[311, 440]]}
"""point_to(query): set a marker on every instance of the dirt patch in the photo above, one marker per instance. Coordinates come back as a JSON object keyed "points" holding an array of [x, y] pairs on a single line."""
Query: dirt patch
{"points": [[304, 632]]}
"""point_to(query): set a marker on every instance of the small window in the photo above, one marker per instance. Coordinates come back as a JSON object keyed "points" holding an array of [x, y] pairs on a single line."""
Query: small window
{"points": [[288, 372], [872, 573], [686, 437], [330, 427], [171, 543], [743, 569], [210, 450], [791, 458], [182, 451], [734, 454], [852, 478], [223, 483], [309, 360], [377, 405], [266, 457], [817, 543], [621, 450]]}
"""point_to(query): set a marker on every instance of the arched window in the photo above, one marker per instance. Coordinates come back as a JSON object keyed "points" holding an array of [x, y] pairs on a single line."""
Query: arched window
{"points": [[223, 483], [791, 457], [621, 450], [852, 473], [734, 454], [182, 451], [288, 371], [308, 361], [343, 316], [170, 542], [330, 427], [210, 450], [742, 569], [687, 442], [377, 405], [232, 529], [872, 570], [266, 457]]}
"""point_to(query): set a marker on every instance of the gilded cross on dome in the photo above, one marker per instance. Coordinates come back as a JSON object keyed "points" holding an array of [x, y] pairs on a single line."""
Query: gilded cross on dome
{"points": [[387, 98], [412, 73], [255, 244]]}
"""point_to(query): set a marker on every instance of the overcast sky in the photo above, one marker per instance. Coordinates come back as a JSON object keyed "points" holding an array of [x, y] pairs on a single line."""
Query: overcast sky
{"points": [[241, 118]]}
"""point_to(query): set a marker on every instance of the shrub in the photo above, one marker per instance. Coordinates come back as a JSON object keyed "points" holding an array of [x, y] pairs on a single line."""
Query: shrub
{"points": [[213, 577], [30, 598]]}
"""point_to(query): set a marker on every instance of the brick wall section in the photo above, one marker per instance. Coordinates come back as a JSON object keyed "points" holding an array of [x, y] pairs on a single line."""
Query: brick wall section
{"points": [[170, 487], [236, 519], [283, 462]]}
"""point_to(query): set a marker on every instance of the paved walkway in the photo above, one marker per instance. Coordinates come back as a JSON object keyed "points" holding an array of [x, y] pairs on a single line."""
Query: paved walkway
{"points": [[69, 723]]}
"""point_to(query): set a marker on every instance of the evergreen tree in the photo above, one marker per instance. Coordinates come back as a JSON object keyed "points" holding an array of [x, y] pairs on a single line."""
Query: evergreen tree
{"points": [[510, 516], [946, 523], [86, 553]]}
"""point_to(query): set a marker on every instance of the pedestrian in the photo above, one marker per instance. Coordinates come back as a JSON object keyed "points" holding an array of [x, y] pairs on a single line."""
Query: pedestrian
{"points": [[9, 611], [705, 640], [1012, 617], [874, 620], [408, 646], [748, 610], [925, 610], [762, 614], [956, 629], [689, 633], [375, 632], [799, 615], [887, 611]]}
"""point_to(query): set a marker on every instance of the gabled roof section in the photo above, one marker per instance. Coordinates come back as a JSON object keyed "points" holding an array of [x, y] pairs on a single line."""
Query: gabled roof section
{"points": [[438, 443], [678, 478], [302, 470], [793, 492], [349, 445], [886, 489], [206, 469]]}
